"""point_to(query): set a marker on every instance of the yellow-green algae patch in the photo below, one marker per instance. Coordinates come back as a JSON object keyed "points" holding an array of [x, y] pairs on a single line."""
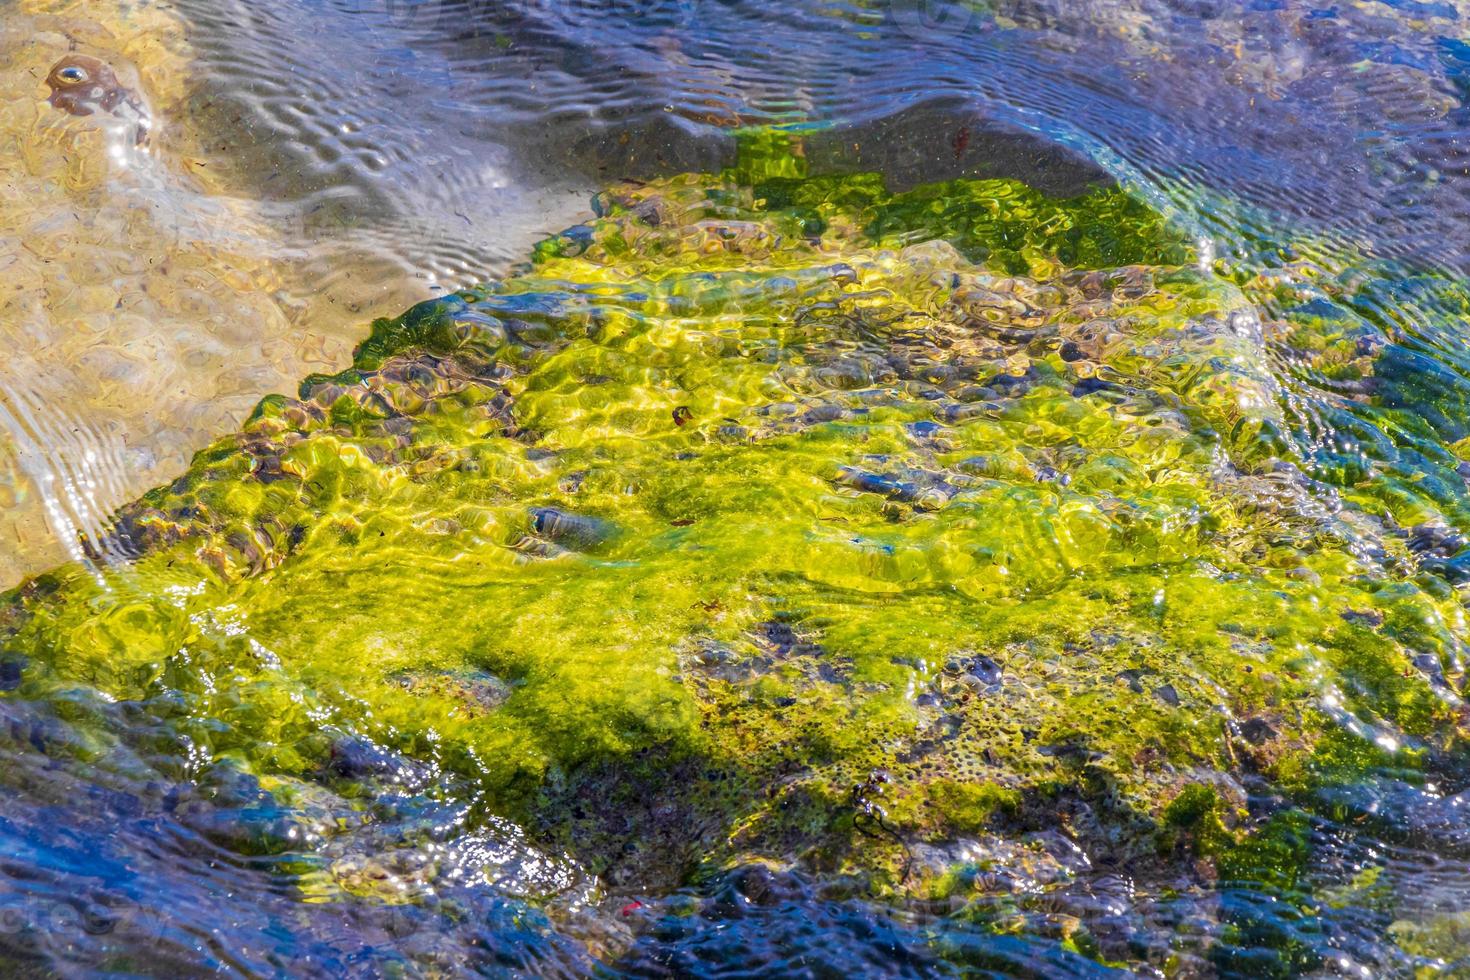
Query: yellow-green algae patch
{"points": [[797, 521]]}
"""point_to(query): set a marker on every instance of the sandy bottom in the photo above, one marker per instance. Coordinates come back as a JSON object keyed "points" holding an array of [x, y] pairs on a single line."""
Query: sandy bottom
{"points": [[144, 305]]}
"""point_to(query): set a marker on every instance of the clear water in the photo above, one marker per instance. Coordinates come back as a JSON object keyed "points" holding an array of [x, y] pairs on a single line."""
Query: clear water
{"points": [[314, 165]]}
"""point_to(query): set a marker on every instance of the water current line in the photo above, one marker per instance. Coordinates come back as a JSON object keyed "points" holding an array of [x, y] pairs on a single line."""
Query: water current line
{"points": [[76, 475]]}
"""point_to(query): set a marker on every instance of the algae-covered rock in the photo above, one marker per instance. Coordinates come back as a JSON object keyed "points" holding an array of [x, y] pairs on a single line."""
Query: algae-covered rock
{"points": [[801, 522]]}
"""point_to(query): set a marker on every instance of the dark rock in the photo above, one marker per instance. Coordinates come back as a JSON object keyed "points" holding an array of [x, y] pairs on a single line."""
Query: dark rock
{"points": [[12, 667], [1257, 731], [575, 531]]}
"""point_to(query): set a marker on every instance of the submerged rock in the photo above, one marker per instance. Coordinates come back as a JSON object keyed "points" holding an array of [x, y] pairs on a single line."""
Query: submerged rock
{"points": [[81, 85], [886, 521]]}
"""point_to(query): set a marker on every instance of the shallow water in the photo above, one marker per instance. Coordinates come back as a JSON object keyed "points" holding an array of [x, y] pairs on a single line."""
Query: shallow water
{"points": [[155, 294], [317, 165], [310, 166]]}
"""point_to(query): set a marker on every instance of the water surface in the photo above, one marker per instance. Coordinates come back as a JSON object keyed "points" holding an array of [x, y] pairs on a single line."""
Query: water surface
{"points": [[311, 165]]}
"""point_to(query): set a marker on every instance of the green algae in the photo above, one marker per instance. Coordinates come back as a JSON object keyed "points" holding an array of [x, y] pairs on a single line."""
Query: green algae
{"points": [[1442, 944], [792, 520]]}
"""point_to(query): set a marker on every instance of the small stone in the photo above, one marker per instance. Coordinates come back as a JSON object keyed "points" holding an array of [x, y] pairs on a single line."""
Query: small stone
{"points": [[12, 666], [1257, 731], [1304, 574], [1167, 694]]}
